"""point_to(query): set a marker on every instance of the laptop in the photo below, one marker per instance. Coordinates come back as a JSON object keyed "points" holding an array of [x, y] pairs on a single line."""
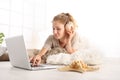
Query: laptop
{"points": [[19, 57]]}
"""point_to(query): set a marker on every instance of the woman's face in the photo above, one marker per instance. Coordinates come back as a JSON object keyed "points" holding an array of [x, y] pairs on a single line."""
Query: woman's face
{"points": [[58, 30]]}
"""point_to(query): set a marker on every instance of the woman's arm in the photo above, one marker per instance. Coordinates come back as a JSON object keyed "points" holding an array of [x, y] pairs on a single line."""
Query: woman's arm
{"points": [[42, 52], [47, 45], [37, 59], [69, 46]]}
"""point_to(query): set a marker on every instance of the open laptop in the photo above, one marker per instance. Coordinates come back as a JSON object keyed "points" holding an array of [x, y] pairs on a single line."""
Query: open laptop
{"points": [[18, 54]]}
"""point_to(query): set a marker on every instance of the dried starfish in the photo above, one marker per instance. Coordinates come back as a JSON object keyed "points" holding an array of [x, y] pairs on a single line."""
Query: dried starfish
{"points": [[78, 66]]}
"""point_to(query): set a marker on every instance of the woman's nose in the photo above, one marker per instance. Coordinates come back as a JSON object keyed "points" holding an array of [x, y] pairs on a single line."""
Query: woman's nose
{"points": [[54, 31]]}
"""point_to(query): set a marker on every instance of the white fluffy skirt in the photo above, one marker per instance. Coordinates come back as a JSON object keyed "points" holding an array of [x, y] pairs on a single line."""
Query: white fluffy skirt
{"points": [[89, 56]]}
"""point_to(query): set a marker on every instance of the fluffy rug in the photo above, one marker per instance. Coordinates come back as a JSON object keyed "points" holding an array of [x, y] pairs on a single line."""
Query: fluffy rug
{"points": [[89, 56], [87, 52]]}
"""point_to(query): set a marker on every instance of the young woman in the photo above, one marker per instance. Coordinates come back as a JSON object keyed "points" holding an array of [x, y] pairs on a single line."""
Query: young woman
{"points": [[64, 36]]}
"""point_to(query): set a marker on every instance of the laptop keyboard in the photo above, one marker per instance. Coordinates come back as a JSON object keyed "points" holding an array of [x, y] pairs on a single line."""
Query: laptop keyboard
{"points": [[45, 66]]}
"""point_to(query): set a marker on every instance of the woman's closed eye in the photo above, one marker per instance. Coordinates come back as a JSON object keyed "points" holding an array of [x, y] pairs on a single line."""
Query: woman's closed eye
{"points": [[58, 29]]}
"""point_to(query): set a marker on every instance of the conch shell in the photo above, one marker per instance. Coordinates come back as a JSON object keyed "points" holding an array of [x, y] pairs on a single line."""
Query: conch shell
{"points": [[69, 26]]}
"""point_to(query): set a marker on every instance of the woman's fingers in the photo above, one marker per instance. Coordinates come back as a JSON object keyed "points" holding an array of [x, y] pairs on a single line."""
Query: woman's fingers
{"points": [[35, 61], [31, 59], [38, 62]]}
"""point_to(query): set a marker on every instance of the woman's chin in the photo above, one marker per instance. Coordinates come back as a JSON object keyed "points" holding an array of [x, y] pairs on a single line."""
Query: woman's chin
{"points": [[56, 37]]}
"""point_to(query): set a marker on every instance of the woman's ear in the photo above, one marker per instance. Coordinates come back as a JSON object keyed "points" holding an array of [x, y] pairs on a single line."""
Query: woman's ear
{"points": [[69, 26]]}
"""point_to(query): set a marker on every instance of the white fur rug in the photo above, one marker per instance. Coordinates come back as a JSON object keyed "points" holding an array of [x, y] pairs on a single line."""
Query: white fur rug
{"points": [[89, 56]]}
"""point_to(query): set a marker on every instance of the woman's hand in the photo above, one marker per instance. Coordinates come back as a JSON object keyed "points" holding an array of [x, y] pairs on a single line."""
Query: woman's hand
{"points": [[69, 48], [35, 60], [70, 35]]}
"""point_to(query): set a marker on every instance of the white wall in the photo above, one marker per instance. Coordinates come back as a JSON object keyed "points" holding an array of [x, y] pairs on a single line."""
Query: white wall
{"points": [[17, 17], [98, 20]]}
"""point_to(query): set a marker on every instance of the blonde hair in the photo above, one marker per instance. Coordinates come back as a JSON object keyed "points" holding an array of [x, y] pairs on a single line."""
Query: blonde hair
{"points": [[64, 18]]}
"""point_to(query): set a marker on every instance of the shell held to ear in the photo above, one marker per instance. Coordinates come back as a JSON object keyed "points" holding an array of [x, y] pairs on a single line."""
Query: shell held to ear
{"points": [[69, 26]]}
